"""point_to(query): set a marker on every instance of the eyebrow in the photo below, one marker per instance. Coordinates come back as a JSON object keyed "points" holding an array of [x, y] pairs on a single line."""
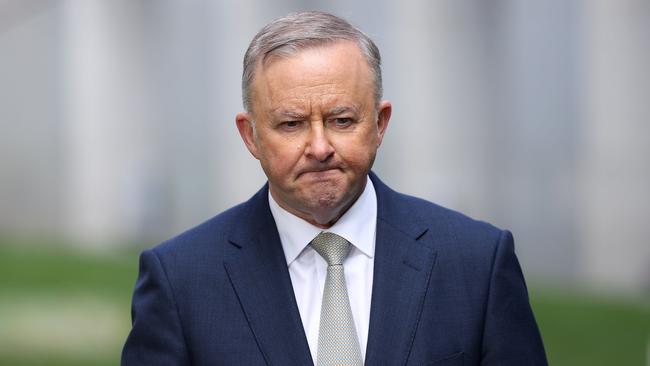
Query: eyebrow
{"points": [[300, 115], [289, 114], [341, 110]]}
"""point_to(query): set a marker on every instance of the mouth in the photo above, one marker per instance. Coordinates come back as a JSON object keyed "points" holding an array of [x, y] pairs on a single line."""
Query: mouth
{"points": [[319, 173]]}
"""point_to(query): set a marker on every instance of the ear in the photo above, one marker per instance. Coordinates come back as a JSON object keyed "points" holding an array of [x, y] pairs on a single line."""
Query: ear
{"points": [[384, 111], [247, 132]]}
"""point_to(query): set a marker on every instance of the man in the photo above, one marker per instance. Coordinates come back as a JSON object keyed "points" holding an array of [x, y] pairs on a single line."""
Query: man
{"points": [[327, 265]]}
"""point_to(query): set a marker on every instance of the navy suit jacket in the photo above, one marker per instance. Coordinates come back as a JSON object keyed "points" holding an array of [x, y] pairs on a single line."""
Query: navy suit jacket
{"points": [[447, 290]]}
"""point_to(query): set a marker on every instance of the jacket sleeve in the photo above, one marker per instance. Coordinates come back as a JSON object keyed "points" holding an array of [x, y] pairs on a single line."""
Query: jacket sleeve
{"points": [[156, 337], [511, 336]]}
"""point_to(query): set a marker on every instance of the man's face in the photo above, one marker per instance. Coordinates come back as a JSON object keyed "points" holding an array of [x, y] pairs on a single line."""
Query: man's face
{"points": [[316, 129]]}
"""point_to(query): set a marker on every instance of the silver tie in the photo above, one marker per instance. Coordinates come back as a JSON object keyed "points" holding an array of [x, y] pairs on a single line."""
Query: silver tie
{"points": [[338, 344]]}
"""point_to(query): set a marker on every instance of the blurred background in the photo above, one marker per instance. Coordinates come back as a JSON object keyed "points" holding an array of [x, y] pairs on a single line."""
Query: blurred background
{"points": [[117, 131]]}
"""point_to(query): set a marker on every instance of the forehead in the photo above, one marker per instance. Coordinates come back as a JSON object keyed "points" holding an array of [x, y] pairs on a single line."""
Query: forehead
{"points": [[322, 74]]}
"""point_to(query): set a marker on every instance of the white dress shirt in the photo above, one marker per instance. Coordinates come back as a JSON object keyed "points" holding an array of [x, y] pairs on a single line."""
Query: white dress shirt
{"points": [[308, 269]]}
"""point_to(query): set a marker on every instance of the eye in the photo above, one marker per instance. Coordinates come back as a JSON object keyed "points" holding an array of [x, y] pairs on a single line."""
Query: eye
{"points": [[342, 122], [290, 125]]}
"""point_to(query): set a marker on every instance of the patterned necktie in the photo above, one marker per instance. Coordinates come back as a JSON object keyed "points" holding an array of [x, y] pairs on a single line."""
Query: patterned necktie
{"points": [[338, 344]]}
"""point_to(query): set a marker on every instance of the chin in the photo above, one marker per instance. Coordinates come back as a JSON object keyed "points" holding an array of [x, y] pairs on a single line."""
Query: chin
{"points": [[317, 200], [332, 201], [327, 202]]}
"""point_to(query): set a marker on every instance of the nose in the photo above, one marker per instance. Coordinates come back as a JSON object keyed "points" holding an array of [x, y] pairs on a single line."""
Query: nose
{"points": [[319, 147]]}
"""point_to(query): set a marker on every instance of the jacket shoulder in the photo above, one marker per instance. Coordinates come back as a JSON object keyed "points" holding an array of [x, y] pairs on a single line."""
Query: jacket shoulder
{"points": [[428, 211], [394, 205], [210, 236]]}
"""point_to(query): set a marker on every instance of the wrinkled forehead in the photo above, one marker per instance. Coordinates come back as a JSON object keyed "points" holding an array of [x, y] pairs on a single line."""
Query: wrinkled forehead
{"points": [[320, 77]]}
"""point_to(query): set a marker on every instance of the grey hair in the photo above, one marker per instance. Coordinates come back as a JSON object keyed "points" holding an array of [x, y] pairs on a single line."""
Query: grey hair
{"points": [[298, 31]]}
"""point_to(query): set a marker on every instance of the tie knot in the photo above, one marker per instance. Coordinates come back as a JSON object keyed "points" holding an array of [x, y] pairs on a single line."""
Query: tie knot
{"points": [[331, 247]]}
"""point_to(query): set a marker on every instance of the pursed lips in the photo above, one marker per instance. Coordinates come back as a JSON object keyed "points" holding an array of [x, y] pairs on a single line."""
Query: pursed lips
{"points": [[319, 172]]}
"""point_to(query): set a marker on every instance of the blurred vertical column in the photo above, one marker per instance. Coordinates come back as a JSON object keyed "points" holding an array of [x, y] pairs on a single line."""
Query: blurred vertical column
{"points": [[235, 174], [30, 139], [615, 176], [433, 74], [180, 38], [106, 114], [534, 128]]}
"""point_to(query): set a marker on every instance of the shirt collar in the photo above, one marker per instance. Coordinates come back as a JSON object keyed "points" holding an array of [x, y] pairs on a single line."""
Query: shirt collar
{"points": [[357, 226]]}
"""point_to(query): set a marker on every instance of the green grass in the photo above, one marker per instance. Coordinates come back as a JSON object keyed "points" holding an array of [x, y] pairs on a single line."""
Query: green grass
{"points": [[585, 329], [27, 267], [60, 306]]}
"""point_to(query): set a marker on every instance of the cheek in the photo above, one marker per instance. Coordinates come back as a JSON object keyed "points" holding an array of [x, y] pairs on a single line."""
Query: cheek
{"points": [[355, 156], [282, 156], [358, 148]]}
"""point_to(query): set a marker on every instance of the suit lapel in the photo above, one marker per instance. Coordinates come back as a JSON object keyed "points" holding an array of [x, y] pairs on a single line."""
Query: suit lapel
{"points": [[258, 272], [401, 276]]}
